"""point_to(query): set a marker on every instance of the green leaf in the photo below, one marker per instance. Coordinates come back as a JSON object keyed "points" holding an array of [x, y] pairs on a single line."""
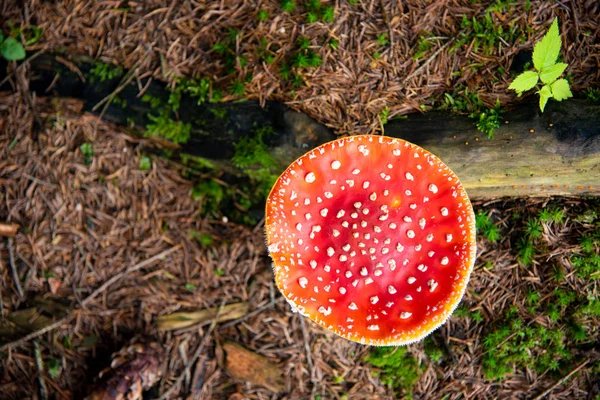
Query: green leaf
{"points": [[1, 36], [145, 163], [546, 50], [328, 14], [550, 74], [288, 5], [561, 90], [54, 368], [524, 82], [545, 93], [12, 50]]}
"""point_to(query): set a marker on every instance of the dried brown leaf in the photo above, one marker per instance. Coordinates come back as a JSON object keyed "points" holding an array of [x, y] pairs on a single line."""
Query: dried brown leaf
{"points": [[180, 320], [245, 365]]}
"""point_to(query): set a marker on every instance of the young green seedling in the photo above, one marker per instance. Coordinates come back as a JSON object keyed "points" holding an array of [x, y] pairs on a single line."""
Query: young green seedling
{"points": [[547, 70], [11, 49]]}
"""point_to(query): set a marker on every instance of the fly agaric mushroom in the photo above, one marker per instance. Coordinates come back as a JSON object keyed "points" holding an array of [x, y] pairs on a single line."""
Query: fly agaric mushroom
{"points": [[372, 238]]}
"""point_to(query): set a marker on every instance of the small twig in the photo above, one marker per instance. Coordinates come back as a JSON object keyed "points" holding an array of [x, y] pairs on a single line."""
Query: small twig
{"points": [[122, 85], [560, 382], [86, 301], [433, 56], [447, 345], [37, 333], [13, 268], [195, 357], [128, 271], [318, 97], [31, 58], [30, 98], [109, 99], [306, 346], [480, 356], [39, 362], [386, 20]]}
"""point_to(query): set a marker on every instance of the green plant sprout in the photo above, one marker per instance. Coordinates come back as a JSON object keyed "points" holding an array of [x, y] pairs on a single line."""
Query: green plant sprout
{"points": [[434, 353], [253, 157], [88, 153], [593, 94], [486, 227], [382, 39], [263, 15], [54, 367], [488, 120], [462, 100], [533, 228], [11, 49], [515, 345], [211, 193], [190, 287], [482, 33], [555, 215], [423, 45], [264, 53], [288, 6], [102, 72], [145, 163], [316, 9], [396, 368], [384, 115], [229, 51], [547, 70]]}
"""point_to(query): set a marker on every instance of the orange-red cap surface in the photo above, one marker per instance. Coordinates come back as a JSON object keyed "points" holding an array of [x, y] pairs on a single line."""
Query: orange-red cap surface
{"points": [[372, 238]]}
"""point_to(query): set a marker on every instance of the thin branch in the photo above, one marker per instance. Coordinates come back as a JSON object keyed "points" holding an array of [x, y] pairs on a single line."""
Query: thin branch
{"points": [[433, 56], [128, 271], [37, 333], [31, 58], [87, 300], [13, 268], [560, 382], [195, 357], [122, 85]]}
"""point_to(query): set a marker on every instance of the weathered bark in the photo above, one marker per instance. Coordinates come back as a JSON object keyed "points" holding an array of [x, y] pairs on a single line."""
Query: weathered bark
{"points": [[532, 154], [554, 153]]}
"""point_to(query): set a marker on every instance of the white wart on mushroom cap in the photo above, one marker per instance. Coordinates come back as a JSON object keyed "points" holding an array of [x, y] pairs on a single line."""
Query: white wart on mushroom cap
{"points": [[372, 238]]}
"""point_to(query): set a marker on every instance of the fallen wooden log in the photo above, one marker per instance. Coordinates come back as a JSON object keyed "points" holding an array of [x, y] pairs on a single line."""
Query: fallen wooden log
{"points": [[532, 154]]}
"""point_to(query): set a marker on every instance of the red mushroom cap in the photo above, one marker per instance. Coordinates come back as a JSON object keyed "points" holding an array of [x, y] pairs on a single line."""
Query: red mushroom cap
{"points": [[372, 238]]}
